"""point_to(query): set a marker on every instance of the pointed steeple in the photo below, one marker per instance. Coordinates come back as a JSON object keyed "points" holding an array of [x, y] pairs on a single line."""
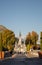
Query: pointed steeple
{"points": [[19, 34]]}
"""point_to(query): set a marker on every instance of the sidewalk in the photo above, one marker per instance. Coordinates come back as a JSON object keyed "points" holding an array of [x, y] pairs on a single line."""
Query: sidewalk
{"points": [[8, 57], [32, 54]]}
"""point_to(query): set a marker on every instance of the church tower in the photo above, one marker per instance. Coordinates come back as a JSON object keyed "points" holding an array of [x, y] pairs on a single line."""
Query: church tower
{"points": [[20, 40]]}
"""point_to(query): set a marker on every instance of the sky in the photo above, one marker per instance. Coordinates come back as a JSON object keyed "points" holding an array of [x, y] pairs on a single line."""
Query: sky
{"points": [[21, 15]]}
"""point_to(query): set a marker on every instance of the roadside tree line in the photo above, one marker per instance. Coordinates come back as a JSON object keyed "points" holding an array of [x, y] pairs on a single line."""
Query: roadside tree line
{"points": [[8, 39]]}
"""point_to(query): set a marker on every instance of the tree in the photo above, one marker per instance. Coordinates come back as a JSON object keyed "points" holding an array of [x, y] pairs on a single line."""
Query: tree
{"points": [[41, 40], [1, 47], [10, 41], [8, 38], [31, 39], [34, 37], [0, 41], [28, 38], [28, 41]]}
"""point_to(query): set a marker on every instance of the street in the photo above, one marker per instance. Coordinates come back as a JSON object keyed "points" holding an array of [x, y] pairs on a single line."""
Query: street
{"points": [[21, 59]]}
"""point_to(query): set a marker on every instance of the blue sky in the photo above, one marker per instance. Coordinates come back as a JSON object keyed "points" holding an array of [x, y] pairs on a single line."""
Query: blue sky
{"points": [[21, 15]]}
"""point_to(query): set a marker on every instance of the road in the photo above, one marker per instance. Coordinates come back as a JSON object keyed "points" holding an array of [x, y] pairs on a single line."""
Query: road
{"points": [[21, 59]]}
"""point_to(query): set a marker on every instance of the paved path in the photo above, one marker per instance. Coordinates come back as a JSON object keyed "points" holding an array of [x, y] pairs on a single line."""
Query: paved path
{"points": [[21, 59]]}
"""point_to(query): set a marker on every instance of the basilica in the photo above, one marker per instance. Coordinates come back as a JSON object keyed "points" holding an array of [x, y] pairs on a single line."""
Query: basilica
{"points": [[20, 46]]}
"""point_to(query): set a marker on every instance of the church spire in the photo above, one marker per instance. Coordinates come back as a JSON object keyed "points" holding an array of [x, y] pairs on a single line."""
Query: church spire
{"points": [[20, 34]]}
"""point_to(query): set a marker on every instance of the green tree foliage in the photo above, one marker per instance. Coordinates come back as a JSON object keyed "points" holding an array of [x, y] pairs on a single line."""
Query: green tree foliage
{"points": [[28, 41], [8, 39], [0, 41], [34, 37], [28, 38], [41, 40], [31, 39]]}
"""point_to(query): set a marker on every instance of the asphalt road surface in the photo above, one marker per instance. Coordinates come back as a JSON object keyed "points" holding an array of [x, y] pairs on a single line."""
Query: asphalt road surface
{"points": [[21, 59]]}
